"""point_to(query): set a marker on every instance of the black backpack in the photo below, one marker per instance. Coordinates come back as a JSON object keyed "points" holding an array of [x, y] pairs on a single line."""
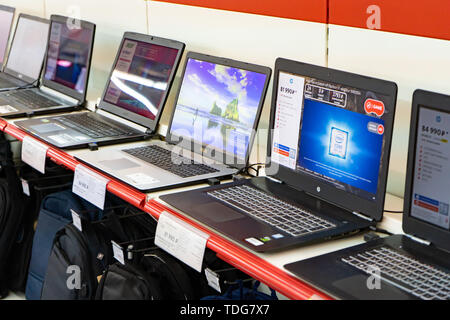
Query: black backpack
{"points": [[12, 210], [56, 179], [90, 251], [76, 260], [128, 282]]}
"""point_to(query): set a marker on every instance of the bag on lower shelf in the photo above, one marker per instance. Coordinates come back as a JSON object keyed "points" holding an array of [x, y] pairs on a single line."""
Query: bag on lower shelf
{"points": [[178, 281], [12, 209], [87, 254], [128, 282], [155, 275], [38, 186], [54, 215], [77, 259]]}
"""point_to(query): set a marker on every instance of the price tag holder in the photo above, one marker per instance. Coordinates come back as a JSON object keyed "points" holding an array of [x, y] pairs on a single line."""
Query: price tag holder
{"points": [[118, 252], [90, 186], [76, 220], [181, 240], [213, 279], [34, 153]]}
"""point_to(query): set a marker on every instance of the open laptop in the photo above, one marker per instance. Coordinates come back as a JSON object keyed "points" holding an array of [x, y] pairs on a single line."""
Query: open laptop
{"points": [[411, 266], [328, 157], [66, 73], [135, 93], [26, 55], [6, 21], [210, 133]]}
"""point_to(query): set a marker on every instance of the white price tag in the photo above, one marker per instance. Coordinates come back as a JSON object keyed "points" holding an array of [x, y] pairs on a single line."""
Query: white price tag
{"points": [[76, 220], [181, 240], [118, 252], [90, 186], [213, 279], [34, 153], [25, 187]]}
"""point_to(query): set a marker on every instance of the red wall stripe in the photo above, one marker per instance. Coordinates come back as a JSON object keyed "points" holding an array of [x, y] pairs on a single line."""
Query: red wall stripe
{"points": [[308, 10], [426, 18]]}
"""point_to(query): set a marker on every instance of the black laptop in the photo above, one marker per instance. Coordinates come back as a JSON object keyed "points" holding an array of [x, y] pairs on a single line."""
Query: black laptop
{"points": [[65, 76], [328, 160], [26, 55], [411, 266], [132, 101]]}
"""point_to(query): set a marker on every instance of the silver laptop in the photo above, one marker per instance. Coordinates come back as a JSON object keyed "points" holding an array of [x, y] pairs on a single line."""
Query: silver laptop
{"points": [[131, 104], [6, 21], [26, 56], [65, 77], [210, 134]]}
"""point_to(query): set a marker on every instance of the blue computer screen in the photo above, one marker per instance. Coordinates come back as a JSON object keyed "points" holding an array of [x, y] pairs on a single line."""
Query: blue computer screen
{"points": [[331, 132], [337, 143], [218, 106]]}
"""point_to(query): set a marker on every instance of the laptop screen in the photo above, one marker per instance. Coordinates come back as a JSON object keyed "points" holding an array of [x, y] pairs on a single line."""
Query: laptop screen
{"points": [[68, 55], [217, 106], [141, 77], [6, 19], [332, 132], [28, 47], [430, 187]]}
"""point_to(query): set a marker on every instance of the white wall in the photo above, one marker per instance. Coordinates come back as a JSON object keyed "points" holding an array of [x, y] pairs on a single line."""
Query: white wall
{"points": [[34, 7], [412, 62]]}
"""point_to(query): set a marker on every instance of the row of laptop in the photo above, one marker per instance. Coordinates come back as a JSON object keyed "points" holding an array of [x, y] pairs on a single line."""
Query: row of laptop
{"points": [[327, 155]]}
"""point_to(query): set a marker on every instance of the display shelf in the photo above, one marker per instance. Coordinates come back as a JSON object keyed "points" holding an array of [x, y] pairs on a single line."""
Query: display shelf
{"points": [[226, 250], [247, 262]]}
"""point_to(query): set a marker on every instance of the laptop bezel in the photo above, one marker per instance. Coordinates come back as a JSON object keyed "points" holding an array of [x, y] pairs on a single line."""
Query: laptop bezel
{"points": [[5, 54], [312, 185], [81, 97], [411, 225], [126, 114], [14, 73], [195, 147]]}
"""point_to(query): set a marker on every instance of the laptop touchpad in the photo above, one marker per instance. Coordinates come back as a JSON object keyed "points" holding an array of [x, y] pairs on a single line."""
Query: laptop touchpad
{"points": [[119, 164], [47, 127], [217, 212]]}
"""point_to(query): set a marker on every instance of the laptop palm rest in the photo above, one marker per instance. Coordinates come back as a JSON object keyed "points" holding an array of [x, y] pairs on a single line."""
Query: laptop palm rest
{"points": [[217, 212], [357, 284], [119, 164]]}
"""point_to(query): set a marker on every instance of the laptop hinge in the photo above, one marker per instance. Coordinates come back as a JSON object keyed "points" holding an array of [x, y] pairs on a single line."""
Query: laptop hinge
{"points": [[419, 240], [274, 180], [122, 120], [59, 95], [362, 216]]}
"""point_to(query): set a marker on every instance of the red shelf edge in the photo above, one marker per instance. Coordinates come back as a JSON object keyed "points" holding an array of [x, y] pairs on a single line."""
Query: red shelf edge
{"points": [[247, 262], [124, 192]]}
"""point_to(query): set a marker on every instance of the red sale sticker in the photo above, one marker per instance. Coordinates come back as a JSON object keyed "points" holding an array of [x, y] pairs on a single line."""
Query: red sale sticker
{"points": [[374, 106]]}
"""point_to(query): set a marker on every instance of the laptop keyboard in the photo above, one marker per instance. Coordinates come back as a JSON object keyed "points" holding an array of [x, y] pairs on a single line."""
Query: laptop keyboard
{"points": [[84, 123], [271, 210], [407, 273], [31, 99], [162, 158]]}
